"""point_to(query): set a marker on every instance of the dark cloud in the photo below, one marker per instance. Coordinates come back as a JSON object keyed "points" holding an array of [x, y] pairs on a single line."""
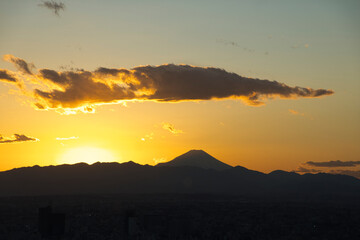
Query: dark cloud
{"points": [[347, 172], [17, 138], [7, 76], [20, 64], [183, 82], [112, 71], [52, 75], [165, 83], [39, 106], [79, 89], [353, 173], [235, 44], [336, 163], [226, 42], [53, 6], [306, 170]]}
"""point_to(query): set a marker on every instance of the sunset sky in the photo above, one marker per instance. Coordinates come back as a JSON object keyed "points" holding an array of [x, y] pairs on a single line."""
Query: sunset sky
{"points": [[262, 84]]}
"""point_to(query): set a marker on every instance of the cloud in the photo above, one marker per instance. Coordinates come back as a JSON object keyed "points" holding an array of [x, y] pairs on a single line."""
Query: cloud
{"points": [[336, 163], [294, 112], [75, 91], [53, 6], [165, 83], [17, 138], [171, 128], [355, 173], [234, 44], [306, 45], [66, 139], [331, 164], [159, 160], [306, 170], [226, 42], [20, 64], [7, 76], [148, 137]]}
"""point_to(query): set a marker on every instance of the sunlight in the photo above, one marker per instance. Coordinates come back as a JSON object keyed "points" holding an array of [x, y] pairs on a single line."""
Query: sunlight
{"points": [[88, 155]]}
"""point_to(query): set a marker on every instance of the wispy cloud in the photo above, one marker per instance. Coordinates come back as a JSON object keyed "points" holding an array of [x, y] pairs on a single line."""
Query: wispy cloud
{"points": [[331, 167], [171, 128], [74, 91], [235, 44], [20, 64], [18, 138], [337, 163], [294, 112], [295, 46], [66, 138], [159, 160], [56, 7], [353, 173], [306, 170], [6, 76], [148, 137]]}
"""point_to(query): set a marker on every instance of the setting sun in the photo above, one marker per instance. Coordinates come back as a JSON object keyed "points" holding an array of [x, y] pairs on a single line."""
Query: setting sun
{"points": [[88, 155]]}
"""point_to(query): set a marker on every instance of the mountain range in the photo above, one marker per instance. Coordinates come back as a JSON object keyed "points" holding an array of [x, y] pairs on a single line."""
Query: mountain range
{"points": [[194, 172]]}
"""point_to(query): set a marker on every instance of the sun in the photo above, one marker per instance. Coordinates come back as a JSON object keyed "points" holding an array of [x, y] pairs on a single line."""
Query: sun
{"points": [[88, 155]]}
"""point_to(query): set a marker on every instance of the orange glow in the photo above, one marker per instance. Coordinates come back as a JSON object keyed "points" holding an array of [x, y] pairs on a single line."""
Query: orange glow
{"points": [[88, 155]]}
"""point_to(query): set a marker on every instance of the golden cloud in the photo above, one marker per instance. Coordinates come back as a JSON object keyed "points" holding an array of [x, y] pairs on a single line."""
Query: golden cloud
{"points": [[17, 138], [81, 91], [171, 128]]}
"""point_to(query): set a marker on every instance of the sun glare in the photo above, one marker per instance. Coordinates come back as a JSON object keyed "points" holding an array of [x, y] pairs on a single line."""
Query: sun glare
{"points": [[88, 155]]}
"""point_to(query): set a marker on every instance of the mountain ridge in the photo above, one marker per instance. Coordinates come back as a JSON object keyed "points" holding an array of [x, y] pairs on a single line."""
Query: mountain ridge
{"points": [[130, 177]]}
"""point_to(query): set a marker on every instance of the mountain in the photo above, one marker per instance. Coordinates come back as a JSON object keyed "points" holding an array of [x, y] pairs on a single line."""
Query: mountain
{"points": [[196, 158], [130, 177]]}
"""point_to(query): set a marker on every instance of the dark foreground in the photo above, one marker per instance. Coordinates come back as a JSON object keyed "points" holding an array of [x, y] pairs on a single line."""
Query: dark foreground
{"points": [[179, 217]]}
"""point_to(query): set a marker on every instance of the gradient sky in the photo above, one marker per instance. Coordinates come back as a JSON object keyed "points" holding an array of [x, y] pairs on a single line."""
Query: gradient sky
{"points": [[306, 43]]}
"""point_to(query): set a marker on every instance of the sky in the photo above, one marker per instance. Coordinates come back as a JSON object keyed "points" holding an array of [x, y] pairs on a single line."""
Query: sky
{"points": [[262, 84]]}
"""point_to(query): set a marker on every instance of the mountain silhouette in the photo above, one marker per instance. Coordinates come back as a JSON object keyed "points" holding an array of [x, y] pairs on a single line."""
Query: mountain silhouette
{"points": [[196, 158], [173, 177]]}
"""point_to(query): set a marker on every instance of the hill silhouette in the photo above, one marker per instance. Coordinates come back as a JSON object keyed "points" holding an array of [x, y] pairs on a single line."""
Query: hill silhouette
{"points": [[130, 177], [196, 158]]}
